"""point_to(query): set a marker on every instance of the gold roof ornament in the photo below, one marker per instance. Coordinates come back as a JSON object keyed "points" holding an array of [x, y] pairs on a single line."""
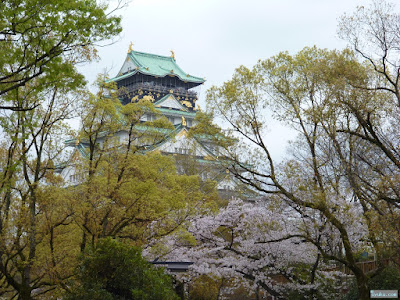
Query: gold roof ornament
{"points": [[78, 140], [198, 107], [183, 121], [173, 54], [130, 47], [187, 103]]}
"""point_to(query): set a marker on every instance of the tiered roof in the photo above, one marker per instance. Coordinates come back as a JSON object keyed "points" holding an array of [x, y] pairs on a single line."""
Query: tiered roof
{"points": [[153, 65]]}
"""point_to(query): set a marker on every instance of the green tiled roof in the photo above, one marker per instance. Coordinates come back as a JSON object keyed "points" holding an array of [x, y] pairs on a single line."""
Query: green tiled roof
{"points": [[167, 111], [157, 65]]}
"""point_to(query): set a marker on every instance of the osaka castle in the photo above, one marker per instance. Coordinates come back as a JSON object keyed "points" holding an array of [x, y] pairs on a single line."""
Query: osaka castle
{"points": [[160, 77], [171, 90]]}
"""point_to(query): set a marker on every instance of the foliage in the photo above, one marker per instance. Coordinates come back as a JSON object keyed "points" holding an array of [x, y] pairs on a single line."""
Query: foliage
{"points": [[342, 173], [372, 31], [125, 187], [204, 288], [387, 279], [41, 42], [245, 244], [44, 225], [113, 270], [32, 213], [39, 39]]}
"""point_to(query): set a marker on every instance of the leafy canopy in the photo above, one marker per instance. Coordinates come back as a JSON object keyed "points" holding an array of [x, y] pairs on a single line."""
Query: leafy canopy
{"points": [[113, 270], [39, 38]]}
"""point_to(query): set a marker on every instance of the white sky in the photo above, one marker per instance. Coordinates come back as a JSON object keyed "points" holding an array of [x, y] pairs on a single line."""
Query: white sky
{"points": [[211, 38]]}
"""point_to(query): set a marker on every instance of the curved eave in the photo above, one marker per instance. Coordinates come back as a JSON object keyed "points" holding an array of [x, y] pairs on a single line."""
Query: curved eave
{"points": [[174, 132], [118, 78], [176, 112], [191, 79], [137, 57]]}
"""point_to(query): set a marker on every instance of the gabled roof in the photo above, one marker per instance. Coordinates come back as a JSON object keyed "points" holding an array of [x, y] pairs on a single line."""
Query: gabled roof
{"points": [[77, 145], [154, 65], [181, 133], [169, 101]]}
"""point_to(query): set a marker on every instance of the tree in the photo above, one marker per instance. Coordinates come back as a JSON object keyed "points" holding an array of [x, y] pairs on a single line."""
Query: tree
{"points": [[387, 280], [328, 180], [41, 42], [38, 39], [44, 225], [113, 270], [245, 244], [31, 215], [373, 33], [126, 186]]}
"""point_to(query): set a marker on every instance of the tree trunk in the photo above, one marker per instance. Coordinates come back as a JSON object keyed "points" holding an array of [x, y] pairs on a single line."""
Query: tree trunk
{"points": [[24, 293], [362, 284]]}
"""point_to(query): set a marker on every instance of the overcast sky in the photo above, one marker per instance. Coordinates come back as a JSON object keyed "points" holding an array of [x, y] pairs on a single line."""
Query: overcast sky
{"points": [[211, 38]]}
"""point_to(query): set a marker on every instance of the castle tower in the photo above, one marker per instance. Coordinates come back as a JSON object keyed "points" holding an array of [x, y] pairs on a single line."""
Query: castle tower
{"points": [[145, 74], [171, 90]]}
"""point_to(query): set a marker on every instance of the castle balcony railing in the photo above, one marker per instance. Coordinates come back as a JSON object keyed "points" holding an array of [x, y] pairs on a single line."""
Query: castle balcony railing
{"points": [[155, 88]]}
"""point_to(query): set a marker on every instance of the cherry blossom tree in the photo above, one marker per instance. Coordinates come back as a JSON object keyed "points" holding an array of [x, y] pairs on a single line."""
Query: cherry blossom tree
{"points": [[259, 246]]}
